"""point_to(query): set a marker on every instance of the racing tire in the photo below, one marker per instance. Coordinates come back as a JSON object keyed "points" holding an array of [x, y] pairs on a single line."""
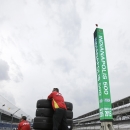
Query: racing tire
{"points": [[44, 112], [44, 103], [42, 123], [46, 123], [48, 112], [69, 106]]}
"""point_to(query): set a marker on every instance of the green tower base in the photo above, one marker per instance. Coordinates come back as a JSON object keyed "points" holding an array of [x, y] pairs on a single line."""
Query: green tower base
{"points": [[107, 126]]}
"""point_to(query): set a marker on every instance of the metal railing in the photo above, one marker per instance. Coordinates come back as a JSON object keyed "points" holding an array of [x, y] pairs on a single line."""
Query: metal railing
{"points": [[118, 125], [118, 111]]}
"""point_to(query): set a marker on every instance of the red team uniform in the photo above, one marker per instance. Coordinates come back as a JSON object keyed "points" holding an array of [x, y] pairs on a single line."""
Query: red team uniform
{"points": [[59, 106], [57, 100], [24, 125]]}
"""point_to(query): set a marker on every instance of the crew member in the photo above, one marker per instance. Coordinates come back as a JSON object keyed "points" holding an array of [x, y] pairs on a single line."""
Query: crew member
{"points": [[24, 125], [59, 106]]}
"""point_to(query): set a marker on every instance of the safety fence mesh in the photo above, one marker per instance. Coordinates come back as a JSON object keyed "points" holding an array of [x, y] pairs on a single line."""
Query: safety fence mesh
{"points": [[10, 109]]}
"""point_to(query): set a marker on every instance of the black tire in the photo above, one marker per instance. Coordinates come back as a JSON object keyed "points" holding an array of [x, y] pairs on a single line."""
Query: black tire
{"points": [[43, 129], [47, 123], [43, 120], [42, 123], [44, 112], [69, 106], [44, 103], [69, 114], [45, 126], [48, 112]]}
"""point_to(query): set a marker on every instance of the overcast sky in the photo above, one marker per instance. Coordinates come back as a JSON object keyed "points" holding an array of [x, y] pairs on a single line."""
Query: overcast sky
{"points": [[49, 43]]}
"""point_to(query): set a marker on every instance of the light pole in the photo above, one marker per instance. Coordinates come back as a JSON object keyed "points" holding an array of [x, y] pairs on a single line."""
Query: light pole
{"points": [[27, 116], [1, 112], [12, 117]]}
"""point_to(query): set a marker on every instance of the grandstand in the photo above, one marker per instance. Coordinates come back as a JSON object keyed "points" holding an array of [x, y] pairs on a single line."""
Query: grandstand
{"points": [[7, 120], [7, 126], [117, 107], [121, 117], [7, 117], [10, 115]]}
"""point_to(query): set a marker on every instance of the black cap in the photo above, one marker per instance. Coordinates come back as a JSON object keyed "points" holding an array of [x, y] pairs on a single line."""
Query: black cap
{"points": [[24, 117], [56, 89]]}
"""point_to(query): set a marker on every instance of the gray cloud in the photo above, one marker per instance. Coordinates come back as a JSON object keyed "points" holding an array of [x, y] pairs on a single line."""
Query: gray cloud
{"points": [[64, 64], [4, 69], [84, 95], [88, 5], [16, 75], [33, 57], [71, 24], [3, 19], [120, 80], [51, 43], [8, 98], [68, 22]]}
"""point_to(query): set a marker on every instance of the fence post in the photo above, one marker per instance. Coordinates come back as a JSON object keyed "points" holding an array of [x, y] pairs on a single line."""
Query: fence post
{"points": [[12, 117]]}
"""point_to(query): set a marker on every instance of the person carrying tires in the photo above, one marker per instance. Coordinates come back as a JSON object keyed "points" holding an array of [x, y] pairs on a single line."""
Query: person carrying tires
{"points": [[24, 125], [59, 106]]}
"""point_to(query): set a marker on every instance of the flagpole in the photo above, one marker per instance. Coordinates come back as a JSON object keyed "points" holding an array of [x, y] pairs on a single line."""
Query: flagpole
{"points": [[1, 112], [12, 117]]}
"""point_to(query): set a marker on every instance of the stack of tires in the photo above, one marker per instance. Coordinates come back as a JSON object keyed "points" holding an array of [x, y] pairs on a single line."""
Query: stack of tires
{"points": [[44, 115]]}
